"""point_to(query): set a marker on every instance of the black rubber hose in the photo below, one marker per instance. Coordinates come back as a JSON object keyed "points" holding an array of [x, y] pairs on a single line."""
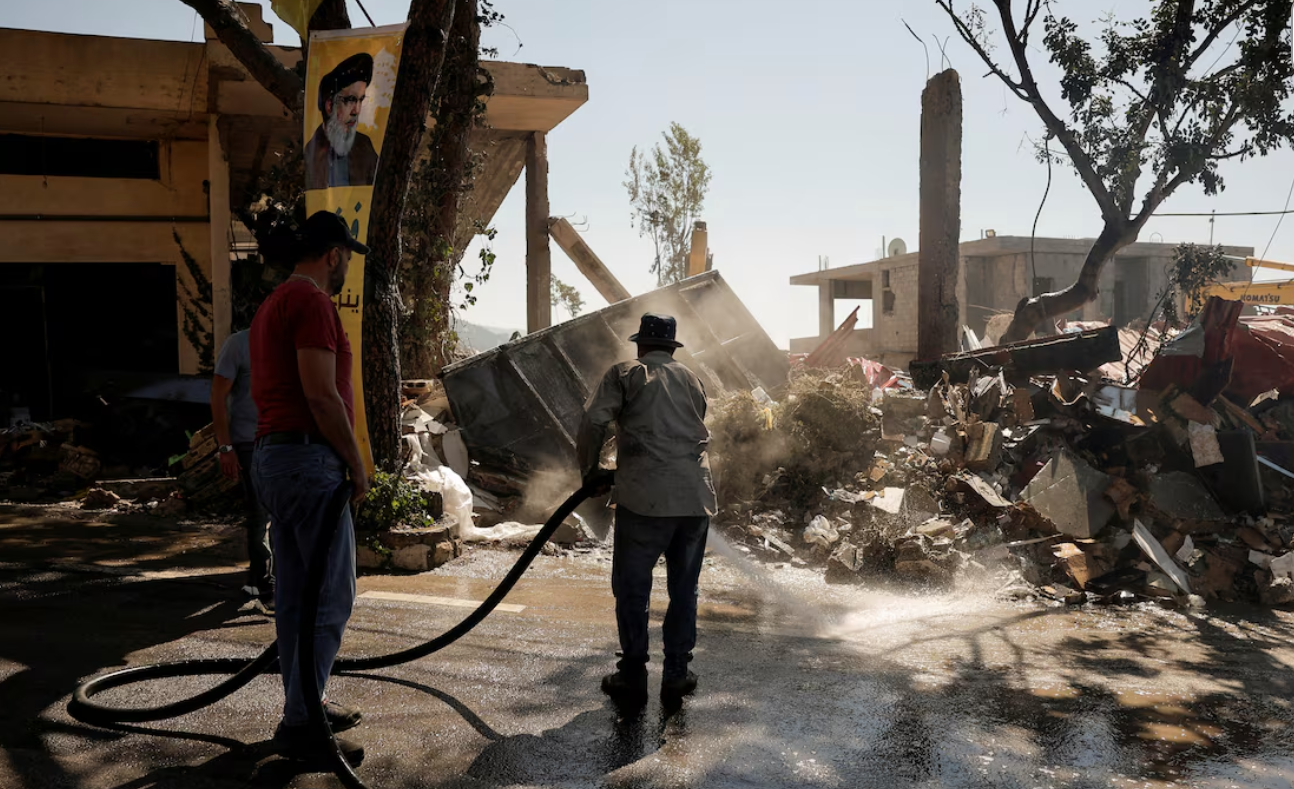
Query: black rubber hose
{"points": [[84, 709]]}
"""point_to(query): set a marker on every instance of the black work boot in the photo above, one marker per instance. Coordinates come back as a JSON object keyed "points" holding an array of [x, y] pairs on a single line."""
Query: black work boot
{"points": [[678, 685], [302, 743], [628, 685], [677, 681], [341, 718]]}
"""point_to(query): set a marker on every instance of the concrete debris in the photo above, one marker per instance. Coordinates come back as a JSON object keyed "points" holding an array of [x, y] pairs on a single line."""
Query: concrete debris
{"points": [[1204, 444], [1156, 552], [99, 499], [1079, 566], [821, 532], [1024, 461], [1071, 494]]}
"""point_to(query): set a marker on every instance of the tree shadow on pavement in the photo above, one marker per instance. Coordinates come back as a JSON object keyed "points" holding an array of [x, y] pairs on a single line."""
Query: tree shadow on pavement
{"points": [[58, 628]]}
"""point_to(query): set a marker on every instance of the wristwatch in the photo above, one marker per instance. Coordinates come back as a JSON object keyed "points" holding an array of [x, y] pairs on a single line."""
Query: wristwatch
{"points": [[225, 449]]}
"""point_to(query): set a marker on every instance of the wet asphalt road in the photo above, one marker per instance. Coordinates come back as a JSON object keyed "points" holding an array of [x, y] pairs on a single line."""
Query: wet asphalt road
{"points": [[803, 684]]}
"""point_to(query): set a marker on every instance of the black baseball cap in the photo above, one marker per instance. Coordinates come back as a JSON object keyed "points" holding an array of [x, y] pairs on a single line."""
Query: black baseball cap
{"points": [[325, 230]]}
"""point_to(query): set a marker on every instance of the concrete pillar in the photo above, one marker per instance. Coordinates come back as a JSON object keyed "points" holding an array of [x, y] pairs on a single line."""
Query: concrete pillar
{"points": [[700, 246], [222, 301], [589, 264], [539, 256], [938, 265], [826, 309]]}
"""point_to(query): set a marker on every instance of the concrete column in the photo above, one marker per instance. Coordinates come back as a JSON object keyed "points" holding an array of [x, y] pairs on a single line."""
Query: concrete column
{"points": [[938, 312], [589, 264], [222, 300], [826, 309], [700, 246], [539, 256]]}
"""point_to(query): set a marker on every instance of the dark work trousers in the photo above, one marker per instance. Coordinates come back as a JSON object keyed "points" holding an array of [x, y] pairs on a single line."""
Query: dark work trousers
{"points": [[261, 569], [640, 540]]}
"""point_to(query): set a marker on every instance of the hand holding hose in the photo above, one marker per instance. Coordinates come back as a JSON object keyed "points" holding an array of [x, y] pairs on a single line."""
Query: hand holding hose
{"points": [[599, 482]]}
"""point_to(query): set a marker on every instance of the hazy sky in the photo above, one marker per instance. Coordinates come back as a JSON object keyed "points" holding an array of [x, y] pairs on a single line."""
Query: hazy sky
{"points": [[809, 117]]}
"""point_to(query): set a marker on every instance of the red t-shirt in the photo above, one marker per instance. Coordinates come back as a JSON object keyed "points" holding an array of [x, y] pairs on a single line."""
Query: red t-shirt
{"points": [[296, 315]]}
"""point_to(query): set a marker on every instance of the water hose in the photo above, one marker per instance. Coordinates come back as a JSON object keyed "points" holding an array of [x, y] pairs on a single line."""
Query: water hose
{"points": [[84, 709]]}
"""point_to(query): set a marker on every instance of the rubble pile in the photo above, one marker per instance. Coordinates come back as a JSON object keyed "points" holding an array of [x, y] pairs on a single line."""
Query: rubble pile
{"points": [[42, 458], [822, 429], [205, 486], [1177, 487]]}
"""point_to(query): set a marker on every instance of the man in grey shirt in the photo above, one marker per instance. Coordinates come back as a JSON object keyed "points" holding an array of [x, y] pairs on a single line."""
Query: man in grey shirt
{"points": [[233, 414], [664, 499]]}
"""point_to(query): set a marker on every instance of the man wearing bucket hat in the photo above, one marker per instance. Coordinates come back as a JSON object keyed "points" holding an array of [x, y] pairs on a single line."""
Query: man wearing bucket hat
{"points": [[664, 499]]}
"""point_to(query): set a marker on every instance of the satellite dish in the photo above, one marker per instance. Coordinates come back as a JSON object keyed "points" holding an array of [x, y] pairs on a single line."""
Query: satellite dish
{"points": [[896, 248]]}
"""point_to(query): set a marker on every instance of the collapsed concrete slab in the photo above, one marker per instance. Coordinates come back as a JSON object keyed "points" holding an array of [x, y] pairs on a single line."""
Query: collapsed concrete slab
{"points": [[1071, 494], [519, 406]]}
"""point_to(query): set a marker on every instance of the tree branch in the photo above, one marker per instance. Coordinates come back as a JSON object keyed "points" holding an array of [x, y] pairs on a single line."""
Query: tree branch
{"points": [[331, 15], [1164, 187], [969, 37], [1217, 30], [1081, 160], [230, 25]]}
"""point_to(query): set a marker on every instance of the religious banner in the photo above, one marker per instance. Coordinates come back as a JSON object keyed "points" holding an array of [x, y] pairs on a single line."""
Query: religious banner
{"points": [[350, 80]]}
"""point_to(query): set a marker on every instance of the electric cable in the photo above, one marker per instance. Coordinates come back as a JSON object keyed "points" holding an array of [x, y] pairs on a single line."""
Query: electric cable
{"points": [[84, 709], [1267, 248]]}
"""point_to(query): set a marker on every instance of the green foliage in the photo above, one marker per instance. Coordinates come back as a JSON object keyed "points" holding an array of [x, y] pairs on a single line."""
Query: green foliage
{"points": [[1165, 94], [198, 312], [566, 296], [394, 501], [667, 189], [1195, 267]]}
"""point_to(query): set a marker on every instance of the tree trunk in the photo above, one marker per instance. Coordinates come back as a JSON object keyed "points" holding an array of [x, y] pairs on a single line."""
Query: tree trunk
{"points": [[1031, 312], [939, 258], [424, 340], [420, 63]]}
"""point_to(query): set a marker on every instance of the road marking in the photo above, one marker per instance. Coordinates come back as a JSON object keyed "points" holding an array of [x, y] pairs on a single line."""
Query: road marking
{"points": [[424, 599]]}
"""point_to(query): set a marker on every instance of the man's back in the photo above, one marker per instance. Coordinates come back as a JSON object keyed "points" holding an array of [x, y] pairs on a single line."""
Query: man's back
{"points": [[659, 407]]}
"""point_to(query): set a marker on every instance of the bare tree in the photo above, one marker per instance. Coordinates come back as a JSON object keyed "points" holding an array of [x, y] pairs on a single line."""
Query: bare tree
{"points": [[1164, 97]]}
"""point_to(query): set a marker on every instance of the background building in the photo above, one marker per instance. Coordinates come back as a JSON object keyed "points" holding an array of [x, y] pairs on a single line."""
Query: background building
{"points": [[995, 275]]}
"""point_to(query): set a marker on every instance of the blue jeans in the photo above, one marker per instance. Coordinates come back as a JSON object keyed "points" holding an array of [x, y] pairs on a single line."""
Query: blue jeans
{"points": [[257, 523], [640, 540], [294, 482]]}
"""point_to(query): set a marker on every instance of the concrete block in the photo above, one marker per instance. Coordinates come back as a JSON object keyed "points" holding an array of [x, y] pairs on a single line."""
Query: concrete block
{"points": [[443, 552], [844, 564], [1179, 496], [404, 538], [413, 558], [367, 559], [1071, 494]]}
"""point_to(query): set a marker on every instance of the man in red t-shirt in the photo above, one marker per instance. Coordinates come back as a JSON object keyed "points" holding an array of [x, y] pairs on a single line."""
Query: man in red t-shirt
{"points": [[305, 447]]}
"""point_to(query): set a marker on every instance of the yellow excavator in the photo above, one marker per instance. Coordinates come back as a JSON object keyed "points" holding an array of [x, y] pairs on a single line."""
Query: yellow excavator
{"points": [[1268, 294]]}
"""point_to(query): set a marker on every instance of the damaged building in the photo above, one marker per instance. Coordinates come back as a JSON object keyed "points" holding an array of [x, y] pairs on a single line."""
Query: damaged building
{"points": [[124, 164], [996, 273]]}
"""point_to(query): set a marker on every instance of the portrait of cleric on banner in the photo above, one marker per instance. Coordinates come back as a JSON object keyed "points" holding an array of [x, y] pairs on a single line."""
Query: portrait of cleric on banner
{"points": [[338, 153]]}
